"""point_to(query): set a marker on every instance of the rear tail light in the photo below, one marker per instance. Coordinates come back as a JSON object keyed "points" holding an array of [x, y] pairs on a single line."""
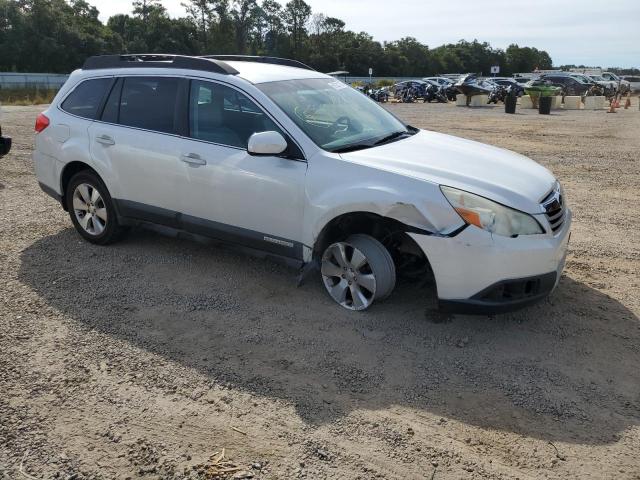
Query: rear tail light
{"points": [[42, 122]]}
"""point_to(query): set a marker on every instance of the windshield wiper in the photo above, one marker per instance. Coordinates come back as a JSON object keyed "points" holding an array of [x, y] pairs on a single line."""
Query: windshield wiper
{"points": [[386, 139], [393, 136], [351, 148]]}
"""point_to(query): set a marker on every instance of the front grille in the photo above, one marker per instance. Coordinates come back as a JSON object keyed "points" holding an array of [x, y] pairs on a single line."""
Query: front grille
{"points": [[554, 209]]}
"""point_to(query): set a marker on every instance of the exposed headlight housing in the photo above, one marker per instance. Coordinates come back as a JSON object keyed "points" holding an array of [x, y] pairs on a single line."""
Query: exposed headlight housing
{"points": [[489, 215]]}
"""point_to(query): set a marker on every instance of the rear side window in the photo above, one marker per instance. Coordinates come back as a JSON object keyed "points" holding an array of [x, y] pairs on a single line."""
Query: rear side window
{"points": [[149, 103], [86, 98]]}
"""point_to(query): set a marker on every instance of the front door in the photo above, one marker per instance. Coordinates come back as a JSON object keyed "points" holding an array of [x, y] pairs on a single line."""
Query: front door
{"points": [[256, 201]]}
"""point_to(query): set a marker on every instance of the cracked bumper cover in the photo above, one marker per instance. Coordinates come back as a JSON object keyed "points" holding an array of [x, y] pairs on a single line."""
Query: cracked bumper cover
{"points": [[480, 273]]}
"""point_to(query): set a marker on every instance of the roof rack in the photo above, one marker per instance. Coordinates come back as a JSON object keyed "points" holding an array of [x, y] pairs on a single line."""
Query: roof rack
{"points": [[254, 58], [158, 61]]}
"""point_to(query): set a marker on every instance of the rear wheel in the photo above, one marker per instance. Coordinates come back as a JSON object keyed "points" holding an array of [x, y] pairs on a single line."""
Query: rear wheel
{"points": [[358, 271], [91, 209]]}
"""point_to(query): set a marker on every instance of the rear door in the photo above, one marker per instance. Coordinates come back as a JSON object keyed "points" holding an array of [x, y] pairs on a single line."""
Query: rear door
{"points": [[136, 142]]}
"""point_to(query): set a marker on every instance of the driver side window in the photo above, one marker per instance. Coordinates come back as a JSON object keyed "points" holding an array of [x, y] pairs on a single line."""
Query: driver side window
{"points": [[223, 115]]}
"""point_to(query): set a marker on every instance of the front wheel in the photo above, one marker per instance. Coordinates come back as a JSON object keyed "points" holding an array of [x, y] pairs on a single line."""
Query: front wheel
{"points": [[91, 209], [358, 271]]}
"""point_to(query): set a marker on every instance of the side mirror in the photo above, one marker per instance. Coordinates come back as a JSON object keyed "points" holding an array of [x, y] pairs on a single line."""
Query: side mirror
{"points": [[266, 143]]}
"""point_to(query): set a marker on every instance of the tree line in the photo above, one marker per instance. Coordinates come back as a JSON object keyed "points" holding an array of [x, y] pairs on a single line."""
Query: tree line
{"points": [[56, 36]]}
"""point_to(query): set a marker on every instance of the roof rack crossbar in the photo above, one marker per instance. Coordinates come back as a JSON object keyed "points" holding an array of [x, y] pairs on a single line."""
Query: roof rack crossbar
{"points": [[158, 61], [258, 59]]}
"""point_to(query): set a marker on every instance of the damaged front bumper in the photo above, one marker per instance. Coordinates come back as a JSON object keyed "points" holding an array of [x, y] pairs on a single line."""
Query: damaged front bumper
{"points": [[504, 296], [480, 273]]}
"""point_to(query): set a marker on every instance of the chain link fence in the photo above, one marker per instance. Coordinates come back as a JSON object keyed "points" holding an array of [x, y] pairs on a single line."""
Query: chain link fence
{"points": [[44, 81]]}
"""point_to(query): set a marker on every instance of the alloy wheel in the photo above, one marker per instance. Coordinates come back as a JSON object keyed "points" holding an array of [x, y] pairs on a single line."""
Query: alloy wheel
{"points": [[348, 277], [90, 209]]}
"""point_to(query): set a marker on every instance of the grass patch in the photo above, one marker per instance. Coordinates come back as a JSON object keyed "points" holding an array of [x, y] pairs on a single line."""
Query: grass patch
{"points": [[27, 96]]}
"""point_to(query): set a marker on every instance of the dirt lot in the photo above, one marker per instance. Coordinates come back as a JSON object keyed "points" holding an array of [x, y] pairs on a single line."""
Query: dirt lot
{"points": [[143, 359]]}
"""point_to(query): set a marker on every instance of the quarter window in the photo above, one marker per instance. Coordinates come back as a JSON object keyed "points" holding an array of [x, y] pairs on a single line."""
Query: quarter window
{"points": [[87, 97], [220, 114], [149, 103]]}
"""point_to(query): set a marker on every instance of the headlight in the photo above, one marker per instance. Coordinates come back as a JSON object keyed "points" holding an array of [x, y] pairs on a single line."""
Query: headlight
{"points": [[490, 216]]}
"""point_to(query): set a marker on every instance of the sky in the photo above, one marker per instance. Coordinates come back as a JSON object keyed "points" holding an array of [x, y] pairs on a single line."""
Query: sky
{"points": [[580, 32]]}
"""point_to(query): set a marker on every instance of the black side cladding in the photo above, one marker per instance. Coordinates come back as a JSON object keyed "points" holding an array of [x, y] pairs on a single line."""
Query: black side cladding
{"points": [[226, 233]]}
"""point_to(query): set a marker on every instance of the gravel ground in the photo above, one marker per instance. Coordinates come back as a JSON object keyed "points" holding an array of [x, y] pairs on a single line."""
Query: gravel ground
{"points": [[143, 359]]}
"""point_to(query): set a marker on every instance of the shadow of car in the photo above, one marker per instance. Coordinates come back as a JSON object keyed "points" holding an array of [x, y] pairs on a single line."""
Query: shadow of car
{"points": [[565, 369]]}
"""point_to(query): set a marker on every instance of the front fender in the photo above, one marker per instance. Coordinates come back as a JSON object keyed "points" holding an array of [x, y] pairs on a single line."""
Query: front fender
{"points": [[340, 187]]}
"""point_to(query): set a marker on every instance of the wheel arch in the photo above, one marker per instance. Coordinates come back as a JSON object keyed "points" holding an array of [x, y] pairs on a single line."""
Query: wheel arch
{"points": [[392, 233], [69, 170]]}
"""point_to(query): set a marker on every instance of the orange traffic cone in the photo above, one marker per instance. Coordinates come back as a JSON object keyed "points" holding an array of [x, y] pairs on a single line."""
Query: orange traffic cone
{"points": [[627, 104], [612, 106]]}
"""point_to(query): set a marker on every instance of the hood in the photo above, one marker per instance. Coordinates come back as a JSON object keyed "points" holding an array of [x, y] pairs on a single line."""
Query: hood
{"points": [[500, 175]]}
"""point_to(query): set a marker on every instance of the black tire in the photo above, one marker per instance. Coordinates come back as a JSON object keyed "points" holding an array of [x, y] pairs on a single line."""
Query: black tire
{"points": [[112, 230], [380, 262]]}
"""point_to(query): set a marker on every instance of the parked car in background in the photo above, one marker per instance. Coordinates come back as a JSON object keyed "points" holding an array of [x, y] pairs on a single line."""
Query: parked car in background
{"points": [[571, 85], [523, 80], [623, 85], [380, 95], [277, 157], [634, 82], [611, 87], [604, 87], [5, 142], [445, 84], [410, 90], [439, 80], [511, 83], [417, 85]]}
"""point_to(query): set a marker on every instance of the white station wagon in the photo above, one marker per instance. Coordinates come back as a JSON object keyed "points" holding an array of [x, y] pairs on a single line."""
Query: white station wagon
{"points": [[269, 154]]}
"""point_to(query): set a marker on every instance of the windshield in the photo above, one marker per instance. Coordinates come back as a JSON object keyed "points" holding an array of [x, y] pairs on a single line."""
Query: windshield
{"points": [[335, 116]]}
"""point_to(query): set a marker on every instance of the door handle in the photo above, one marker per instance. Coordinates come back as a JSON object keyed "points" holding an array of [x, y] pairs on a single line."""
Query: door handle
{"points": [[193, 159], [105, 140]]}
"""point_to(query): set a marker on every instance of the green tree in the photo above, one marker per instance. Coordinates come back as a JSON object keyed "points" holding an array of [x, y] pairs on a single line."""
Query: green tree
{"points": [[145, 8], [272, 16], [526, 59], [58, 35], [245, 16], [296, 15], [201, 14]]}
